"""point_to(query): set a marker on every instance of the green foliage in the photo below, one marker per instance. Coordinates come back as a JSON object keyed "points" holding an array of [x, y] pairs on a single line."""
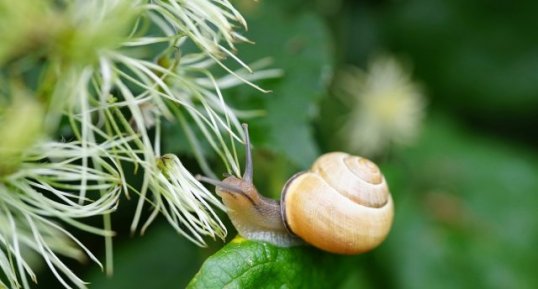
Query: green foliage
{"points": [[300, 46], [475, 62], [248, 264], [162, 259], [465, 212]]}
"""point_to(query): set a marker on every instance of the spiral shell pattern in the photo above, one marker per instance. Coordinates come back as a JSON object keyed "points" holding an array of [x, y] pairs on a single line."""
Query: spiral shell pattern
{"points": [[342, 205]]}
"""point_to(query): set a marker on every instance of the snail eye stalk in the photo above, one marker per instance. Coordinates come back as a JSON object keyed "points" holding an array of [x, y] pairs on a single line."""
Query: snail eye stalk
{"points": [[220, 184], [248, 165]]}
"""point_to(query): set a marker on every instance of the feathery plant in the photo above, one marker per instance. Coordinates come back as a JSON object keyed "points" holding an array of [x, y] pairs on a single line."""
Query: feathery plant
{"points": [[84, 88]]}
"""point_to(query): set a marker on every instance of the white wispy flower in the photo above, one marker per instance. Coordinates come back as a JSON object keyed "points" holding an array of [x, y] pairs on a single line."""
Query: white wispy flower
{"points": [[387, 107], [175, 86], [206, 22], [100, 79], [45, 189], [185, 203]]}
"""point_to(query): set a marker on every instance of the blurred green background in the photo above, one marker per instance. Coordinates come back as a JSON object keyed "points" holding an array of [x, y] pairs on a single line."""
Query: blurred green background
{"points": [[465, 191]]}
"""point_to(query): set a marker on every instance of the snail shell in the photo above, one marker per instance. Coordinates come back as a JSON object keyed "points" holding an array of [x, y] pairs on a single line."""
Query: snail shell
{"points": [[342, 205]]}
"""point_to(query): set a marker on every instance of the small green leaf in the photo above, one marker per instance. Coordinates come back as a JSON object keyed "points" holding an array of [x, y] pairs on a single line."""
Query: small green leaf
{"points": [[251, 264]]}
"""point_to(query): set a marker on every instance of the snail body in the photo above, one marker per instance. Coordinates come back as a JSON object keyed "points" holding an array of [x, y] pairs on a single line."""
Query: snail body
{"points": [[341, 205]]}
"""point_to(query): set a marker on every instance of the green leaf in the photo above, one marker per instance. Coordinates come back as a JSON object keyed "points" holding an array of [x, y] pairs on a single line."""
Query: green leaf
{"points": [[250, 264]]}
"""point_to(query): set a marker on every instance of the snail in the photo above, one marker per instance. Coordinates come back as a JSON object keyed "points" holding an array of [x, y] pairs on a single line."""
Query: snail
{"points": [[341, 205]]}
